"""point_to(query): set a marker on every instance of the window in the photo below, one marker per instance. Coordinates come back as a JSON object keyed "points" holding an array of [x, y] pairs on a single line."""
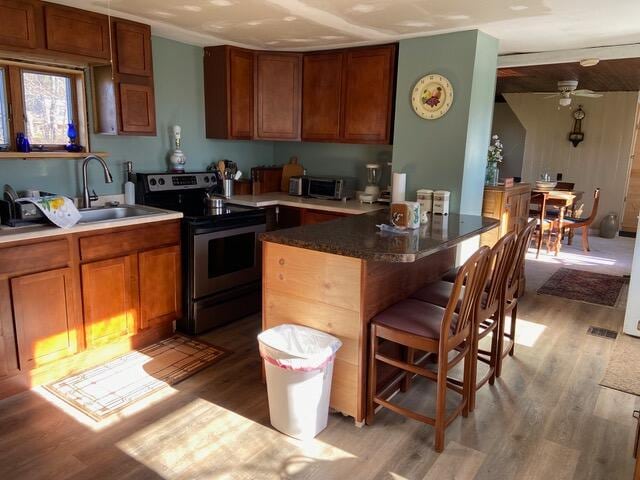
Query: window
{"points": [[4, 114], [41, 101], [48, 107]]}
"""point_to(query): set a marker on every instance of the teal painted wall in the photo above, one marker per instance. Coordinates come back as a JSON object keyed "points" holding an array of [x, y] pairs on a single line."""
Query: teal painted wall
{"points": [[433, 153], [179, 94], [483, 89], [336, 158]]}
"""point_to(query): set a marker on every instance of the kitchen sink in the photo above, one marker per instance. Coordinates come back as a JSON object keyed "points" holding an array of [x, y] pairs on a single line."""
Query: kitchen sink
{"points": [[104, 214]]}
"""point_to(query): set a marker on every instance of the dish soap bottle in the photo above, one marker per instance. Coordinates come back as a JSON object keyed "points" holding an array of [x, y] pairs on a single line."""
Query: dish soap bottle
{"points": [[129, 186]]}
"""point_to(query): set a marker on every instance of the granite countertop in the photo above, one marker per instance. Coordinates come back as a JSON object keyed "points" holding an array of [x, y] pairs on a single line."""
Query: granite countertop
{"points": [[15, 234], [353, 207], [357, 236]]}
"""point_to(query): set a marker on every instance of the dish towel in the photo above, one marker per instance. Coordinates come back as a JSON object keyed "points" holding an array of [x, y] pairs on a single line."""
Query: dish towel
{"points": [[58, 209]]}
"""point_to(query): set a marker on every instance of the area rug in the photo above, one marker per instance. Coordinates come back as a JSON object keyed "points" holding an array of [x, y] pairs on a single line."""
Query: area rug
{"points": [[623, 370], [584, 286], [108, 388]]}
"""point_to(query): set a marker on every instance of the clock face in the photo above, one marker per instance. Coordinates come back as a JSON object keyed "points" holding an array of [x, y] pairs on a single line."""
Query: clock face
{"points": [[578, 114], [432, 96]]}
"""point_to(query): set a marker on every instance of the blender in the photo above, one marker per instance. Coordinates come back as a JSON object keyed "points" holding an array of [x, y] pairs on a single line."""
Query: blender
{"points": [[372, 190]]}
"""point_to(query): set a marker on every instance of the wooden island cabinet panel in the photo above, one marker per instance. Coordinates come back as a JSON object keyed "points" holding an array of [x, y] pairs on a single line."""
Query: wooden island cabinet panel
{"points": [[45, 317], [160, 292], [79, 32], [110, 299], [278, 96], [339, 295], [8, 350], [21, 21], [369, 75], [322, 96]]}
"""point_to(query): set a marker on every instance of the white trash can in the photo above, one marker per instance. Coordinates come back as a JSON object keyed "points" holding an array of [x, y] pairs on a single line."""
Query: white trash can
{"points": [[298, 365]]}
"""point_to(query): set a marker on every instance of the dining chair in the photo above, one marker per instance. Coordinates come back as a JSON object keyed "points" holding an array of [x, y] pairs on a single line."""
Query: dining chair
{"points": [[571, 224], [544, 224], [514, 289], [438, 293], [432, 329]]}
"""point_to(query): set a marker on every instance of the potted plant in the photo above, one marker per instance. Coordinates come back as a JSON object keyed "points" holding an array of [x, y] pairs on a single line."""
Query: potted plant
{"points": [[494, 157]]}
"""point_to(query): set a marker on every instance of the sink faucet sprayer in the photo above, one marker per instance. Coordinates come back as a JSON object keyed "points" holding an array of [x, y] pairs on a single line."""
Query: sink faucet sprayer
{"points": [[87, 199]]}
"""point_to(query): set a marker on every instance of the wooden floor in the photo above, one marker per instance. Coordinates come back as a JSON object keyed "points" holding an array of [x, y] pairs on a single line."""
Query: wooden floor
{"points": [[546, 418]]}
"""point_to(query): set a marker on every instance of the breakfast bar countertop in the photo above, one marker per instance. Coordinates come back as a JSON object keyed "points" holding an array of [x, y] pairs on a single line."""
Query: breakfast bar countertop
{"points": [[272, 199], [357, 236]]}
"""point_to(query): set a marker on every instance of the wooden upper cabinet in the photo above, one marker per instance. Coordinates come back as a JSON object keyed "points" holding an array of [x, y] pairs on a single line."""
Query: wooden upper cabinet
{"points": [[278, 95], [110, 298], [70, 30], [45, 317], [133, 48], [228, 92], [322, 96], [137, 109], [368, 94], [160, 294], [20, 23]]}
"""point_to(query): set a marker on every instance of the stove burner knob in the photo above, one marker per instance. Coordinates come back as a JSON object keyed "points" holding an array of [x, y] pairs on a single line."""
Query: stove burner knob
{"points": [[161, 181], [206, 179], [152, 181]]}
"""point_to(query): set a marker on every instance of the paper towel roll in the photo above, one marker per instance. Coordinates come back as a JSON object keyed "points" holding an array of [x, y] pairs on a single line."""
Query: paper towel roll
{"points": [[398, 187]]}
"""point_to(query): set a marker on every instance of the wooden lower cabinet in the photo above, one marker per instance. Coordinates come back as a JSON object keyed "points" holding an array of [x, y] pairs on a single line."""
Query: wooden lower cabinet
{"points": [[45, 317], [77, 300], [510, 206], [310, 217], [110, 299], [160, 292]]}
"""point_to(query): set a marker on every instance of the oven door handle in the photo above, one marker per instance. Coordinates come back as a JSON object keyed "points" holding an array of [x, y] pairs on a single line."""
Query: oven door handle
{"points": [[200, 237]]}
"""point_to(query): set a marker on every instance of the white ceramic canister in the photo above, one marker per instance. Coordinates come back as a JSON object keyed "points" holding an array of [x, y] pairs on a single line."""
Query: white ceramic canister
{"points": [[441, 202], [425, 199]]}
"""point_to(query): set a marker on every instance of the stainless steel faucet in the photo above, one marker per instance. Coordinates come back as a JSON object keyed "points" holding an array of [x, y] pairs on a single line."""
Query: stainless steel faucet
{"points": [[87, 198]]}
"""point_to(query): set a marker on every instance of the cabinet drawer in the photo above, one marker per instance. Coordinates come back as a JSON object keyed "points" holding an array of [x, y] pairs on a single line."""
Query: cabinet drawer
{"points": [[122, 242], [34, 257]]}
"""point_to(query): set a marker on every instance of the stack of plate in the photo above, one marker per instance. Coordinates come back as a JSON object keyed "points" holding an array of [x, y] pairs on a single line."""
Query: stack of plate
{"points": [[543, 185]]}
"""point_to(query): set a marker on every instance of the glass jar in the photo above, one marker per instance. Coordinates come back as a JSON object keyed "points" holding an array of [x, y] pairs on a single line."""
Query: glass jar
{"points": [[492, 174]]}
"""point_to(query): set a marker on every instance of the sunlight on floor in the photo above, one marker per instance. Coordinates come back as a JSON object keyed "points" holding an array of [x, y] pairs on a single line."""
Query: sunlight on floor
{"points": [[569, 258], [205, 440], [90, 423], [528, 333]]}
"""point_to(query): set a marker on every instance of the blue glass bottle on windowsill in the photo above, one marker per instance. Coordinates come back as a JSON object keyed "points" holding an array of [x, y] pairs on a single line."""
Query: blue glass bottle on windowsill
{"points": [[72, 146], [22, 143]]}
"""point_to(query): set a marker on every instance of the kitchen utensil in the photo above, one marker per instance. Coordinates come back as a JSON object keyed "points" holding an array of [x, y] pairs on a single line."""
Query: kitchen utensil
{"points": [[237, 175], [292, 169], [213, 202], [222, 167]]}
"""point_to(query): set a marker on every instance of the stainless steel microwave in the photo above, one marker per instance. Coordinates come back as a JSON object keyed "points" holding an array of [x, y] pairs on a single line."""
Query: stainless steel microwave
{"points": [[334, 188]]}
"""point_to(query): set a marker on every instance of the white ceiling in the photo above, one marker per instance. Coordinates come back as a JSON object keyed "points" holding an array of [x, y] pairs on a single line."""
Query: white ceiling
{"points": [[520, 25]]}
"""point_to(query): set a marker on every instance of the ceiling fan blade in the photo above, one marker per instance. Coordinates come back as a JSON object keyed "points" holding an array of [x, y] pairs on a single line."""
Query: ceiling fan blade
{"points": [[550, 96], [545, 93], [588, 95], [582, 90]]}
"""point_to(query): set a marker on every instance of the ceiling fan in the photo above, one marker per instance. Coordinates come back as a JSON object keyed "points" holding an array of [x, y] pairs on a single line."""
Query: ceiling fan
{"points": [[567, 89]]}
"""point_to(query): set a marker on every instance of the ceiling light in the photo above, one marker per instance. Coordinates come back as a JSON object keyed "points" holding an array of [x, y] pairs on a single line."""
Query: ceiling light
{"points": [[589, 62], [564, 102], [221, 3]]}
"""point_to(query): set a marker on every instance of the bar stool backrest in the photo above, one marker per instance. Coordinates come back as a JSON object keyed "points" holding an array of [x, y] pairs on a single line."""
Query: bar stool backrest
{"points": [[515, 269], [500, 261], [472, 276]]}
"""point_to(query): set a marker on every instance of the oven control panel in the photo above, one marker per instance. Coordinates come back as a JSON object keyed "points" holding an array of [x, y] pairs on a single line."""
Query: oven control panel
{"points": [[162, 182]]}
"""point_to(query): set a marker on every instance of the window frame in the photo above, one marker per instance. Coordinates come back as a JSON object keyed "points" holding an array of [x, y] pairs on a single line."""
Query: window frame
{"points": [[16, 103]]}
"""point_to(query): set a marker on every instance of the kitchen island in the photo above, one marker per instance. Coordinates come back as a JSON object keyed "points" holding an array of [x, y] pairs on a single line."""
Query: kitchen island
{"points": [[336, 276]]}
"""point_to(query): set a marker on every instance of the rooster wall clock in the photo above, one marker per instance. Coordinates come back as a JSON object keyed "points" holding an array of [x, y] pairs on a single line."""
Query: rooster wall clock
{"points": [[432, 96]]}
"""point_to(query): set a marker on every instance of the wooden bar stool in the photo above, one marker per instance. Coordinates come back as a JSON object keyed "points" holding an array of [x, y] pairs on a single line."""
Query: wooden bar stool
{"points": [[487, 316], [514, 289], [430, 328]]}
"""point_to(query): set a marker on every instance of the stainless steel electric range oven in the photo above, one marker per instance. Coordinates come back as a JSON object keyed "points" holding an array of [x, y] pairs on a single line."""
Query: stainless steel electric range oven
{"points": [[221, 253]]}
